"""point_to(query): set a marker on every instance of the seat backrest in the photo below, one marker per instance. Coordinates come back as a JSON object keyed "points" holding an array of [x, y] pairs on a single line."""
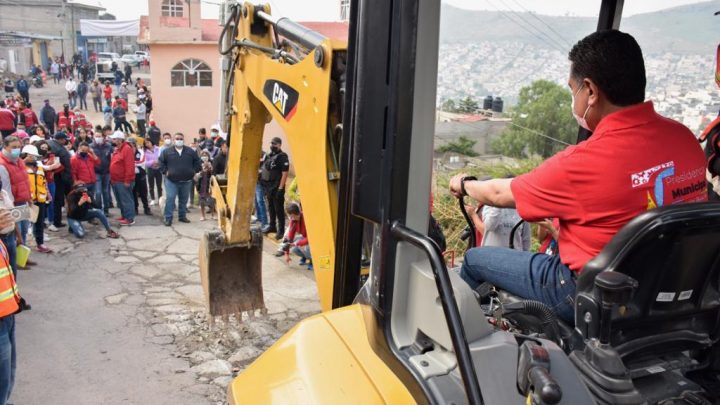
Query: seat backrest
{"points": [[674, 254]]}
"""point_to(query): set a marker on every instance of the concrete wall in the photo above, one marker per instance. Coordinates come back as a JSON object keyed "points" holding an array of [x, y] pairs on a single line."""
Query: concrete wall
{"points": [[41, 17], [183, 109]]}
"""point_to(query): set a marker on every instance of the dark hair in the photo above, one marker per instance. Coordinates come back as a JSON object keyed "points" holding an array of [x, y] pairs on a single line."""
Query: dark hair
{"points": [[107, 128], [202, 131], [614, 61], [293, 209], [83, 144], [179, 133]]}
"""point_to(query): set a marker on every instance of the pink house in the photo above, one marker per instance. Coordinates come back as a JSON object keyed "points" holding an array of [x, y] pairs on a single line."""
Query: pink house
{"points": [[185, 65]]}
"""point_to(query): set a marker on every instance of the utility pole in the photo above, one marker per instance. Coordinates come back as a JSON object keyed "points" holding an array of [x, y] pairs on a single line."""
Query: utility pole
{"points": [[64, 23]]}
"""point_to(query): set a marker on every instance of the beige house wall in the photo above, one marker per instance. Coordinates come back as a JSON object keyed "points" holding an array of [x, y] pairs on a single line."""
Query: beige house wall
{"points": [[183, 109]]}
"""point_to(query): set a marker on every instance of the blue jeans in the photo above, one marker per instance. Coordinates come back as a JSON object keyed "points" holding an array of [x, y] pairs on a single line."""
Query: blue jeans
{"points": [[10, 241], [8, 357], [124, 198], [179, 190], [102, 192], [302, 251], [50, 211], [24, 228], [93, 213], [534, 276], [260, 208]]}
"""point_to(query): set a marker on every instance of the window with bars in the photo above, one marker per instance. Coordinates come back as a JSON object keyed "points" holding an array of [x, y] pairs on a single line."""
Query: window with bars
{"points": [[172, 8], [191, 73]]}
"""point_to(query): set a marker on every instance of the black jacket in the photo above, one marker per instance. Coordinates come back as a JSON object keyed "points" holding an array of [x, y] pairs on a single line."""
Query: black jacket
{"points": [[154, 135], [179, 167], [64, 156], [219, 164], [48, 116]]}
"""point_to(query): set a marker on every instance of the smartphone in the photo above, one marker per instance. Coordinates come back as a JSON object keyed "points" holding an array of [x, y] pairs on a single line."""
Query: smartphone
{"points": [[21, 213]]}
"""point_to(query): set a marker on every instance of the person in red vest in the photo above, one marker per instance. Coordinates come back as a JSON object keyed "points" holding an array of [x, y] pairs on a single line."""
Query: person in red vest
{"points": [[65, 119], [122, 177], [83, 167], [10, 304], [28, 116], [16, 183], [80, 121], [107, 92], [7, 120]]}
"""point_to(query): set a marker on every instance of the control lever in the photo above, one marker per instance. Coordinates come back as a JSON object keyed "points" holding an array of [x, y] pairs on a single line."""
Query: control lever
{"points": [[533, 376], [615, 289]]}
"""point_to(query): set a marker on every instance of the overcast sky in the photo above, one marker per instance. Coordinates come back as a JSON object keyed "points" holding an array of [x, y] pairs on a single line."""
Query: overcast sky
{"points": [[327, 10]]}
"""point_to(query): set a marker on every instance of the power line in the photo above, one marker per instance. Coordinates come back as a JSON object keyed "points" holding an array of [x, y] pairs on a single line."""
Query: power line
{"points": [[562, 47], [534, 15], [525, 28]]}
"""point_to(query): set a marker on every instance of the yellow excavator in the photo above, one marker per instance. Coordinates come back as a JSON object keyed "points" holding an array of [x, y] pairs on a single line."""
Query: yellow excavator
{"points": [[359, 119]]}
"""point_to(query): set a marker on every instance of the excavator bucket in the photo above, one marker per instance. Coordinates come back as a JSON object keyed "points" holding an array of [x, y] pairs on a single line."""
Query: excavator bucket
{"points": [[231, 274]]}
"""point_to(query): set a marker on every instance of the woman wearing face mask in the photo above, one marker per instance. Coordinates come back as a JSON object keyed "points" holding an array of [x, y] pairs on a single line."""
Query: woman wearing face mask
{"points": [[50, 165], [152, 166], [82, 137], [15, 182], [39, 191]]}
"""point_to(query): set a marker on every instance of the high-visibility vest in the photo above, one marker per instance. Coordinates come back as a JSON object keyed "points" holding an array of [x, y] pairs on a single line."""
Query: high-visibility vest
{"points": [[38, 184], [9, 296]]}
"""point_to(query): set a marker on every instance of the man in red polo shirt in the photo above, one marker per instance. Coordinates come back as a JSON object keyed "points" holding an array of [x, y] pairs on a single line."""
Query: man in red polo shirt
{"points": [[636, 160]]}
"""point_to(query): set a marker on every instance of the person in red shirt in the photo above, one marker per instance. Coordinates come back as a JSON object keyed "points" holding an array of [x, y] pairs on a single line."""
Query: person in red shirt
{"points": [[7, 120], [107, 92], [83, 167], [122, 177], [28, 115], [635, 160], [65, 119], [297, 235]]}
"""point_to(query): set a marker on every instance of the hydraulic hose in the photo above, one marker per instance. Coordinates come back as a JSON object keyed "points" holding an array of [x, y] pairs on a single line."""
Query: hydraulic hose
{"points": [[548, 319]]}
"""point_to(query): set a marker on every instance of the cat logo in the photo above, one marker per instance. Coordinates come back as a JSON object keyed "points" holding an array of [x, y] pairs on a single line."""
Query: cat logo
{"points": [[283, 97]]}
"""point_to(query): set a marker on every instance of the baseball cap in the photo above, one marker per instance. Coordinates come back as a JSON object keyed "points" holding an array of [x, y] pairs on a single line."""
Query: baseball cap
{"points": [[36, 138], [60, 135], [152, 123], [117, 135], [30, 150]]}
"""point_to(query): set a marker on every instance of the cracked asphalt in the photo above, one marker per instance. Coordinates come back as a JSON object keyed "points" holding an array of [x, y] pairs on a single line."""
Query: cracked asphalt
{"points": [[123, 321]]}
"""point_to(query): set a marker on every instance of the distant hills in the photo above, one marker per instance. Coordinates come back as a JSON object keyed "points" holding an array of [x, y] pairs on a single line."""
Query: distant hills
{"points": [[685, 29]]}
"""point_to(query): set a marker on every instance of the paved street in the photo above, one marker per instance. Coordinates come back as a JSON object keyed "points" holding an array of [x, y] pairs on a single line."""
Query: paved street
{"points": [[122, 321]]}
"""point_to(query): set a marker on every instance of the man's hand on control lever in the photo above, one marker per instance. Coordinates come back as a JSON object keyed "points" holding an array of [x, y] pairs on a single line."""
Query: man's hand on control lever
{"points": [[495, 192]]}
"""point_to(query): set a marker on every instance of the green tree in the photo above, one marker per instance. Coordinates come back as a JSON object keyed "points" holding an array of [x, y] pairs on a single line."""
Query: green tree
{"points": [[543, 108], [463, 145], [448, 106], [468, 105]]}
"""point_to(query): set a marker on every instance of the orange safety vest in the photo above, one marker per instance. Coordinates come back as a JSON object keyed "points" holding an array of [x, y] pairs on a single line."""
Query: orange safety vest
{"points": [[9, 296]]}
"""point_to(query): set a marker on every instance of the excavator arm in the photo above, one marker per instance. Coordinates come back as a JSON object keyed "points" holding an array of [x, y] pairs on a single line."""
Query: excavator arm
{"points": [[277, 70]]}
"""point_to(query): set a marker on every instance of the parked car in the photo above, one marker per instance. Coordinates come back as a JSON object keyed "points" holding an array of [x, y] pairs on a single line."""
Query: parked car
{"points": [[111, 56], [130, 59], [142, 56]]}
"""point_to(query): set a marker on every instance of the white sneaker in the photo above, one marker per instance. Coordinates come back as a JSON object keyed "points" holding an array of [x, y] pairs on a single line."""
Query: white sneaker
{"points": [[152, 202], [52, 228]]}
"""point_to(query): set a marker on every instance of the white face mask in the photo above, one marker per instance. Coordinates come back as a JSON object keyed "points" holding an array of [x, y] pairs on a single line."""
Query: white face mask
{"points": [[99, 140], [582, 121], [167, 142], [179, 143]]}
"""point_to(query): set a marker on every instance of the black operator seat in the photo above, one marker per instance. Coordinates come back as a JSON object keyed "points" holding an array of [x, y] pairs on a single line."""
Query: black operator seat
{"points": [[674, 255]]}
